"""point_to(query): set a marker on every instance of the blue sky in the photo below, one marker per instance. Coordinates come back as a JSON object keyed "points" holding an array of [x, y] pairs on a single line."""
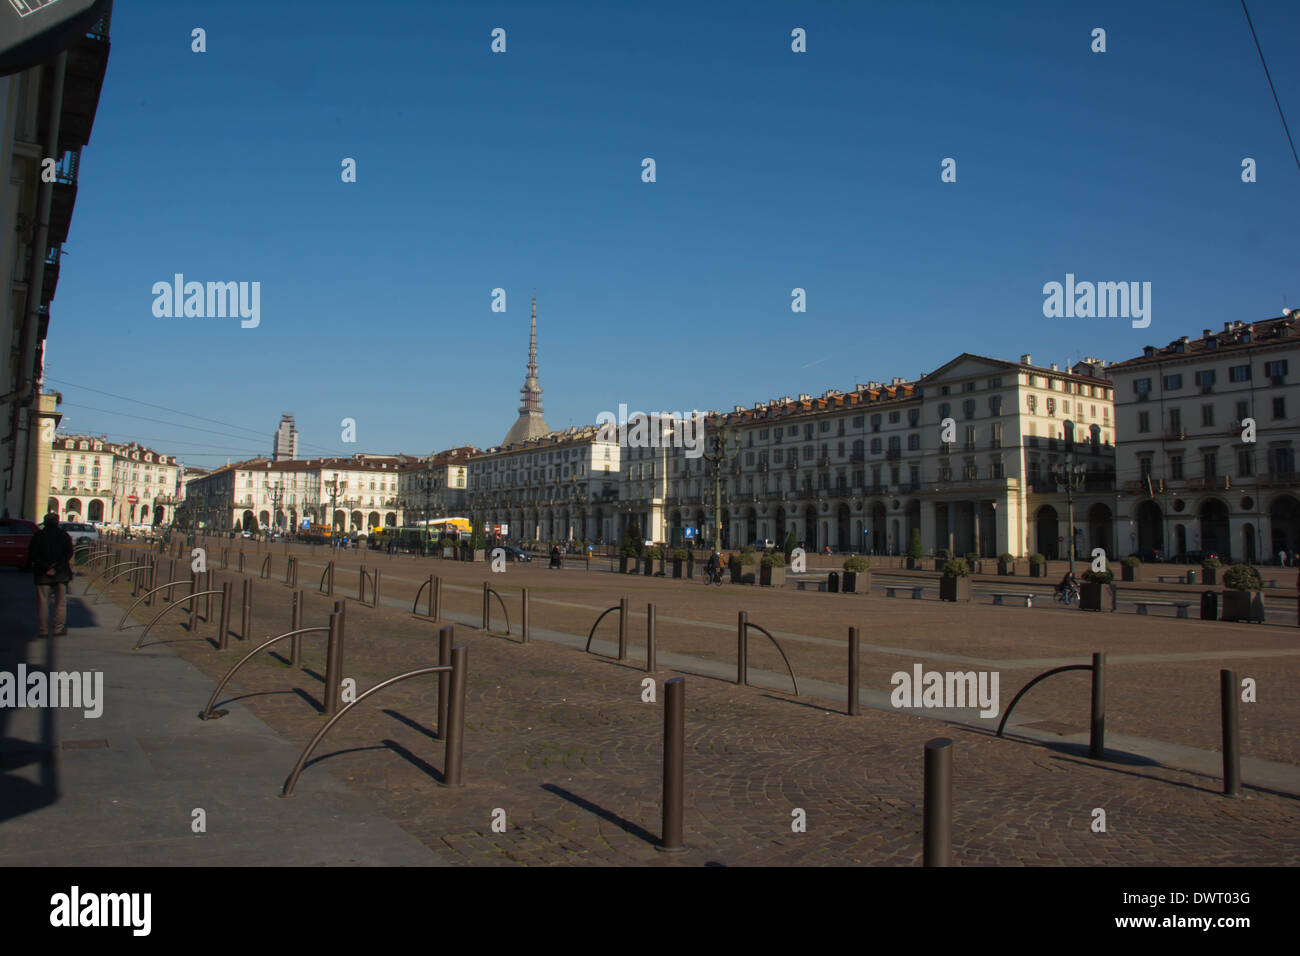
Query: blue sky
{"points": [[775, 170]]}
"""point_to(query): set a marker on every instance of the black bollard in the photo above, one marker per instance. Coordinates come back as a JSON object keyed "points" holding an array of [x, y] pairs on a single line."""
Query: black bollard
{"points": [[854, 707], [1231, 741], [1097, 742], [674, 764]]}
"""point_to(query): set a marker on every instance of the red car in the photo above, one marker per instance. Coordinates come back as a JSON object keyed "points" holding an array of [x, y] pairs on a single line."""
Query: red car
{"points": [[15, 536]]}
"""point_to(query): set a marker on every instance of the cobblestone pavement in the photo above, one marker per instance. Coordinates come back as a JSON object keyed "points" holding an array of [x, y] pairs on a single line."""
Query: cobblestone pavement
{"points": [[562, 742]]}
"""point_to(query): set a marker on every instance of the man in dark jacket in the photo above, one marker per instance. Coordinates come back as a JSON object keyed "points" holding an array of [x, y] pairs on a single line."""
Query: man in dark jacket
{"points": [[50, 556]]}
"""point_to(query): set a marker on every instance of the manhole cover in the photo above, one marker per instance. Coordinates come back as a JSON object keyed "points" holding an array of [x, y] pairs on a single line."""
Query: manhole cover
{"points": [[85, 744]]}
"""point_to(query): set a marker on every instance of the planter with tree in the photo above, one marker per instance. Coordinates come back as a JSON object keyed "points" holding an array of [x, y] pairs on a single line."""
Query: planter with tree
{"points": [[1129, 567], [1242, 598], [1090, 590], [1037, 566], [680, 557], [955, 583], [1210, 570], [914, 550], [478, 545], [791, 542], [648, 558], [973, 560], [772, 571], [739, 563], [857, 576], [1006, 564]]}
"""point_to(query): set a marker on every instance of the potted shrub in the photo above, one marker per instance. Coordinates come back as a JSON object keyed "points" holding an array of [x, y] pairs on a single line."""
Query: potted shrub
{"points": [[690, 563], [941, 557], [1210, 570], [914, 550], [1091, 587], [772, 570], [857, 575], [791, 542], [680, 557], [477, 545], [1037, 565], [745, 560], [1129, 566], [955, 583], [1006, 564], [648, 560], [973, 560], [1242, 597]]}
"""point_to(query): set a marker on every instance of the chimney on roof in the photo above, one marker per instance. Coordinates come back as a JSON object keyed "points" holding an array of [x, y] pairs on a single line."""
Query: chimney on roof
{"points": [[805, 398], [1026, 359], [1054, 368], [1148, 351], [1205, 333], [1227, 326]]}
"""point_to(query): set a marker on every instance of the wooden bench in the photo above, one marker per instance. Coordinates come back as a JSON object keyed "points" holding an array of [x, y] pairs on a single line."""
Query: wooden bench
{"points": [[1017, 595], [1181, 605], [916, 589], [805, 585]]}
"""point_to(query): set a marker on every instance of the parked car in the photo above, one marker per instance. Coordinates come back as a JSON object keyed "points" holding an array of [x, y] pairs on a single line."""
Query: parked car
{"points": [[1148, 556], [246, 534], [80, 533], [15, 536], [763, 544], [515, 554]]}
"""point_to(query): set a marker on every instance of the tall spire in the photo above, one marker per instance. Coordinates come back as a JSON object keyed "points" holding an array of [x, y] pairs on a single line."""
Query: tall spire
{"points": [[530, 423]]}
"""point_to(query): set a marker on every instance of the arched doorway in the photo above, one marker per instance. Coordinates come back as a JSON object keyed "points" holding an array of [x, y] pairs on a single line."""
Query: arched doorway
{"points": [[810, 529], [73, 510], [843, 532], [1284, 525], [879, 536], [1150, 527], [249, 523], [1214, 528], [1045, 532], [1248, 543], [159, 514], [1100, 525], [1180, 540], [95, 512], [751, 525], [780, 531]]}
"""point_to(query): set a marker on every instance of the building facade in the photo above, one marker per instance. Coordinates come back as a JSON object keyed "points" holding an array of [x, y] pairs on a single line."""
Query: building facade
{"points": [[1198, 477], [286, 440], [93, 479], [45, 112], [561, 486]]}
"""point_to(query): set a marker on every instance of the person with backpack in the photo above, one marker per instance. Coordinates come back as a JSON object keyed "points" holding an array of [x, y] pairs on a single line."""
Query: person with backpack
{"points": [[49, 554]]}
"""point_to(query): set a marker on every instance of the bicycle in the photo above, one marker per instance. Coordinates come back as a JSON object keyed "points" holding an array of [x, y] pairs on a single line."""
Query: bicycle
{"points": [[1068, 596]]}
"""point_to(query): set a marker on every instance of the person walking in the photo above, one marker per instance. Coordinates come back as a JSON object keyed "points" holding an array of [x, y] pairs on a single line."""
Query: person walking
{"points": [[50, 554]]}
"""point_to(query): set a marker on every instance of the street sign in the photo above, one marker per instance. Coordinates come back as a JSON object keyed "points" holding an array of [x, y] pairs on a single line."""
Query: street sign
{"points": [[132, 499], [688, 532], [32, 31]]}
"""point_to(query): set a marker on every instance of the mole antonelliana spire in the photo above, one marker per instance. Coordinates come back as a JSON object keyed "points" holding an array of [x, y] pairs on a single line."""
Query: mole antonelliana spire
{"points": [[530, 423]]}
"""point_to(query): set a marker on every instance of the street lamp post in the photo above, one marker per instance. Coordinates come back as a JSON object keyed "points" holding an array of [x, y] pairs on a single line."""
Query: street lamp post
{"points": [[1072, 475], [719, 442]]}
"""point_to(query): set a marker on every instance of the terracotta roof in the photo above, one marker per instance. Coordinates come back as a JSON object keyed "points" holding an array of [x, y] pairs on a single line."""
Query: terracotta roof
{"points": [[1236, 337]]}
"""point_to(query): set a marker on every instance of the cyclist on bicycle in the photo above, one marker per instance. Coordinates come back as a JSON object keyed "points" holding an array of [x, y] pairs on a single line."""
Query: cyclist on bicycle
{"points": [[1068, 583]]}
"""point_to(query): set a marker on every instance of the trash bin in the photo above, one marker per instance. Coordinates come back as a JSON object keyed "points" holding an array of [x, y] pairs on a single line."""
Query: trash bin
{"points": [[1209, 605], [1191, 577], [833, 582]]}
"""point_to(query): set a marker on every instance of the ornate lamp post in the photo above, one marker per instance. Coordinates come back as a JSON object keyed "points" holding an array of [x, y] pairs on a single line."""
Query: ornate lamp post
{"points": [[722, 444], [1072, 475]]}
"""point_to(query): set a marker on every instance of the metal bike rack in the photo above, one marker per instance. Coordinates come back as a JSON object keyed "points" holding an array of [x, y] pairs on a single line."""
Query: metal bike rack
{"points": [[453, 761], [184, 600], [129, 570], [120, 564], [434, 584], [265, 572], [621, 607], [207, 712], [487, 608], [742, 651], [328, 573], [136, 603], [374, 578], [1097, 732]]}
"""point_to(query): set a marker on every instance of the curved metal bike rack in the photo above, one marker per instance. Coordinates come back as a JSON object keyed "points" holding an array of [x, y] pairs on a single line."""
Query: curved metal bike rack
{"points": [[435, 600], [793, 679], [135, 604], [184, 600], [592, 632], [120, 564], [265, 572], [1041, 677], [487, 608], [320, 734], [114, 578], [207, 713], [1097, 731]]}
